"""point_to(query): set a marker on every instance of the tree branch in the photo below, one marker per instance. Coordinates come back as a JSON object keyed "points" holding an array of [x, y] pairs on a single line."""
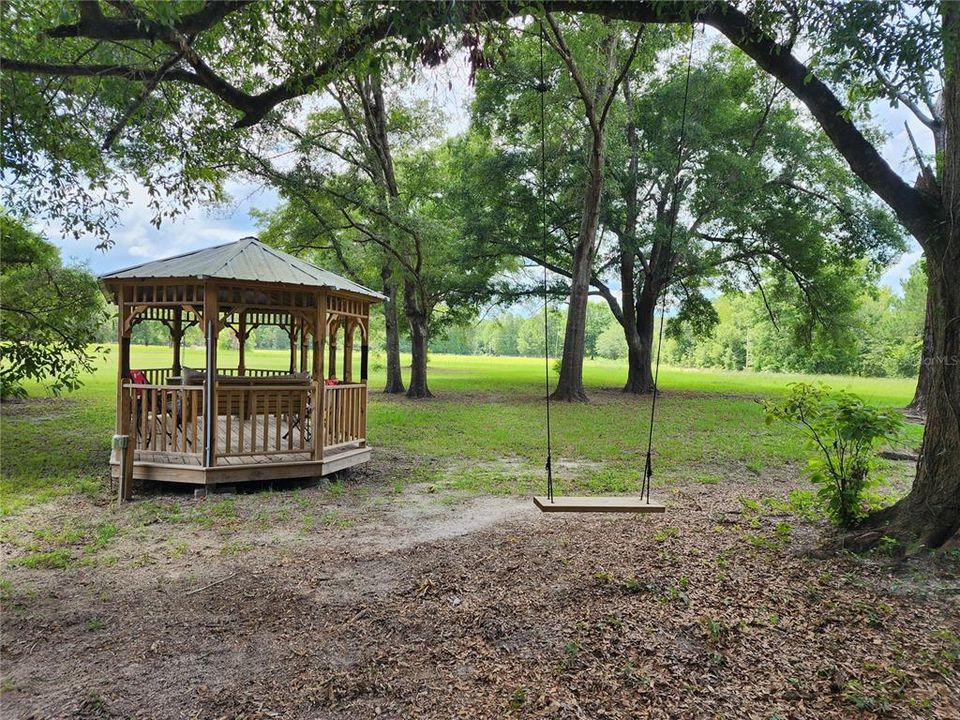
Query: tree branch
{"points": [[147, 90], [560, 45], [95, 25], [920, 213], [612, 92], [763, 294], [912, 106], [128, 72]]}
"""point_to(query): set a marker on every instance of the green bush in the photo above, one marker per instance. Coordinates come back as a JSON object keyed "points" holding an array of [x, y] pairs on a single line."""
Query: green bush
{"points": [[845, 432], [611, 344]]}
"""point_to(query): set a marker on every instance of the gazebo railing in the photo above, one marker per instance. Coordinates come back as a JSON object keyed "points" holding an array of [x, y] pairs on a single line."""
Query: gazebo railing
{"points": [[251, 372], [159, 376], [345, 410], [264, 419], [256, 420], [156, 376], [166, 418]]}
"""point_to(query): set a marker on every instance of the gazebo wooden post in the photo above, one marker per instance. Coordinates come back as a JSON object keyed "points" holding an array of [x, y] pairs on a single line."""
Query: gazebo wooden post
{"points": [[364, 343], [123, 363], [211, 325], [364, 323], [292, 334], [303, 345], [319, 430], [242, 344], [332, 359], [124, 398], [176, 337], [349, 328]]}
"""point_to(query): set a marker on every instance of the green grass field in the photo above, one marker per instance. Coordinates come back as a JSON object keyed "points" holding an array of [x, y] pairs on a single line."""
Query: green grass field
{"points": [[484, 432]]}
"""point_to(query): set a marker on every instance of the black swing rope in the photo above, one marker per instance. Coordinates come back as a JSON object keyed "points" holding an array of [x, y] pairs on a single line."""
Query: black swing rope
{"points": [[542, 89], [681, 139]]}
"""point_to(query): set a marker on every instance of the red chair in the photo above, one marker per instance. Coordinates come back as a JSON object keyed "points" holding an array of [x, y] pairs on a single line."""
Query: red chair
{"points": [[139, 377]]}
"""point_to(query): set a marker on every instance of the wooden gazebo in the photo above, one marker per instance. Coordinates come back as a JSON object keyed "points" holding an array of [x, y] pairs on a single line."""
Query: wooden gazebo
{"points": [[230, 424]]}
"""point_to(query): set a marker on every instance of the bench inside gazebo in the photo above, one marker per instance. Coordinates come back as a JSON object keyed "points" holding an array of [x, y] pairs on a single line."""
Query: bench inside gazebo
{"points": [[220, 424]]}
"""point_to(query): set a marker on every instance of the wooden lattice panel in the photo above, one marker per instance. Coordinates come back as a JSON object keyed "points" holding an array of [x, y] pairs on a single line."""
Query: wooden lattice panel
{"points": [[346, 306], [162, 294], [266, 299]]}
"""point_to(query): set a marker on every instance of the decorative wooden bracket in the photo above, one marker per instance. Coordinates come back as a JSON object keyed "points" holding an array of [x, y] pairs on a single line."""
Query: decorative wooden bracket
{"points": [[133, 318]]}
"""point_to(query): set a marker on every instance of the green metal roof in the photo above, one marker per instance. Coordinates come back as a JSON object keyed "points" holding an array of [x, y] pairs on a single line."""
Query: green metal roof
{"points": [[248, 260]]}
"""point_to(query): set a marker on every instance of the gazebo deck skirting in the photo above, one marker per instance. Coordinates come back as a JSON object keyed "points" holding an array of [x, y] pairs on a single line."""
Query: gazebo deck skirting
{"points": [[224, 424], [260, 467]]}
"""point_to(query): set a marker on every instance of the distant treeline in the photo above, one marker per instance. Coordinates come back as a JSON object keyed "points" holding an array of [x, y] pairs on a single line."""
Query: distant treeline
{"points": [[876, 333]]}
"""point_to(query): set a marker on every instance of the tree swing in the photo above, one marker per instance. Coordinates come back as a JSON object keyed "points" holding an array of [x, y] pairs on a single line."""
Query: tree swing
{"points": [[607, 504]]}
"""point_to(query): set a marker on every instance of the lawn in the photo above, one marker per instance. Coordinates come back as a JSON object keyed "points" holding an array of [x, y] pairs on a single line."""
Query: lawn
{"points": [[424, 584], [484, 431]]}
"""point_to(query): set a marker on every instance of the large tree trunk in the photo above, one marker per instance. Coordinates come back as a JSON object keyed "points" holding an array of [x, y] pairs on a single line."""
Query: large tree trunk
{"points": [[394, 382], [930, 513], [570, 384], [634, 318], [640, 342], [418, 366], [919, 403], [419, 339]]}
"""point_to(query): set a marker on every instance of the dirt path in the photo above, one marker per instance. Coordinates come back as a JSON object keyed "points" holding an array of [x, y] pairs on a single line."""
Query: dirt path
{"points": [[433, 605]]}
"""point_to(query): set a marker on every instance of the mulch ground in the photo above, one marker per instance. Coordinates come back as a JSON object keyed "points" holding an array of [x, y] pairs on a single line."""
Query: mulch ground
{"points": [[706, 612]]}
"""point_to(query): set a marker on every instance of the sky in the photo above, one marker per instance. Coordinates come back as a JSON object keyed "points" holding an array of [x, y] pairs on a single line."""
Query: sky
{"points": [[136, 240]]}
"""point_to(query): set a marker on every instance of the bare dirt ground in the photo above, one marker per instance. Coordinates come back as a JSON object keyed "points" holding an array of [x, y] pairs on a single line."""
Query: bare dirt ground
{"points": [[359, 603]]}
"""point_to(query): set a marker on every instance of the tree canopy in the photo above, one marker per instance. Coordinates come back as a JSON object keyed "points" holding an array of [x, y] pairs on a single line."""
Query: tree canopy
{"points": [[49, 314]]}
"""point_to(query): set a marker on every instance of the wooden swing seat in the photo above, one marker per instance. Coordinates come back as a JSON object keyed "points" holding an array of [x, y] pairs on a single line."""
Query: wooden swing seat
{"points": [[574, 504]]}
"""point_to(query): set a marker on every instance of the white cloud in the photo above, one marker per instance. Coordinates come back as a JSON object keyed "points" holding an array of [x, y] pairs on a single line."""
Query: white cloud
{"points": [[136, 240]]}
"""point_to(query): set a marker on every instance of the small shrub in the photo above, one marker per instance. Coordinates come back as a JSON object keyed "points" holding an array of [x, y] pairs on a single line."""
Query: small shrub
{"points": [[518, 698], [784, 530], [803, 503], [750, 505], [716, 629], [665, 534], [888, 546], [845, 432], [102, 535], [631, 584]]}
